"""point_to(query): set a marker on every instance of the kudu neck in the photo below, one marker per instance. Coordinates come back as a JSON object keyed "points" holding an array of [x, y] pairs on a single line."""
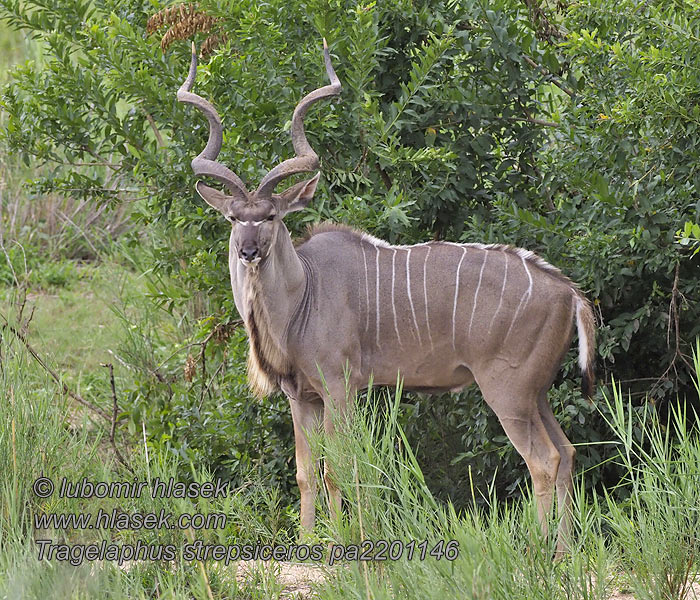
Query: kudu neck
{"points": [[283, 270], [281, 280]]}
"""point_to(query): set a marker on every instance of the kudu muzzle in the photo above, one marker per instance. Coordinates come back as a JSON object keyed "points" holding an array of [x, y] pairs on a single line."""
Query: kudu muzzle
{"points": [[249, 254], [249, 250]]}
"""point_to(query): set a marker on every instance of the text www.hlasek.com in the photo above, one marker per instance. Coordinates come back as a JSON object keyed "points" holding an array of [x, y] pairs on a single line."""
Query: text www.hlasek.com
{"points": [[121, 521]]}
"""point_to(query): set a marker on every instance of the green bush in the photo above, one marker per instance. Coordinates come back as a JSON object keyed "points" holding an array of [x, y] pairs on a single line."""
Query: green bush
{"points": [[55, 274], [23, 264]]}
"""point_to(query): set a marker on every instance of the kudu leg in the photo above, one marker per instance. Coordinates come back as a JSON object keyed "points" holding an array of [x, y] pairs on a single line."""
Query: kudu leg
{"points": [[565, 473], [336, 401], [306, 416], [525, 428], [531, 440], [335, 500]]}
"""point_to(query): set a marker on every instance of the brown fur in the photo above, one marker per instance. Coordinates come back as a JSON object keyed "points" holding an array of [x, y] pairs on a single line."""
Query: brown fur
{"points": [[267, 364], [324, 227], [586, 312]]}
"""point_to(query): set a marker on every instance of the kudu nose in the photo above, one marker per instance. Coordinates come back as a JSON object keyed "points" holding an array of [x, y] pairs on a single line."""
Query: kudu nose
{"points": [[249, 254]]}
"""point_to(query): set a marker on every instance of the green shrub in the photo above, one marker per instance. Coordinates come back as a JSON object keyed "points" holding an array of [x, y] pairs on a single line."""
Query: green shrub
{"points": [[55, 273]]}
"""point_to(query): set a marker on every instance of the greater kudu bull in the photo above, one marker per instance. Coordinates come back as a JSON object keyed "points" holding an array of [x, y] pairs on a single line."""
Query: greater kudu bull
{"points": [[346, 307]]}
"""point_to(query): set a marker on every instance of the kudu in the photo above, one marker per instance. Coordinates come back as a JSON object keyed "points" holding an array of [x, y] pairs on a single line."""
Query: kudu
{"points": [[346, 307]]}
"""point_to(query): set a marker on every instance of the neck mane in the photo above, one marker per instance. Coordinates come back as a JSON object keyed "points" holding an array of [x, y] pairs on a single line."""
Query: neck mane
{"points": [[273, 292], [267, 361]]}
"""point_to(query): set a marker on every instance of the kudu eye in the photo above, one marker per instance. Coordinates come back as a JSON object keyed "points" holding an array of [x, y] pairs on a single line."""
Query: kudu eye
{"points": [[270, 218]]}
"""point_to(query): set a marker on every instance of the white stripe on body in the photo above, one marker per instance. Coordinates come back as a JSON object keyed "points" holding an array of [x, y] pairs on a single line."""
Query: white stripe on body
{"points": [[377, 294], [476, 293], [454, 307], [393, 303], [364, 257], [408, 292], [503, 288], [525, 298], [425, 295]]}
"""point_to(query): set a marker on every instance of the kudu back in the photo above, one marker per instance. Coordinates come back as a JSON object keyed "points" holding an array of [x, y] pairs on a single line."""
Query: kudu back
{"points": [[343, 307]]}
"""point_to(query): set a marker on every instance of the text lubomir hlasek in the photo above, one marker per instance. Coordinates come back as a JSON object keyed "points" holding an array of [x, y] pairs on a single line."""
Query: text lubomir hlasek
{"points": [[158, 488]]}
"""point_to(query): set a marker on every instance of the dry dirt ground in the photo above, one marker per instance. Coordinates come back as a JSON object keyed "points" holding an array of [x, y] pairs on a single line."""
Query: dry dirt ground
{"points": [[693, 594], [296, 579]]}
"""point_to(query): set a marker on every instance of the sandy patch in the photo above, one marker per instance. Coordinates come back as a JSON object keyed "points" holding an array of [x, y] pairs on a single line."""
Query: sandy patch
{"points": [[296, 579]]}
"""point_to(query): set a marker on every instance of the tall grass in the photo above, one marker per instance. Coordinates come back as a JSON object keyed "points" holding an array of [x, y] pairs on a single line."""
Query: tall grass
{"points": [[502, 553], [649, 543], [657, 530], [34, 439], [43, 435]]}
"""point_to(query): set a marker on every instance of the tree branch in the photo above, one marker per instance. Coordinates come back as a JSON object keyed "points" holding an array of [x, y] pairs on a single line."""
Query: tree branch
{"points": [[534, 121], [152, 123], [550, 76], [115, 412], [673, 319], [385, 176]]}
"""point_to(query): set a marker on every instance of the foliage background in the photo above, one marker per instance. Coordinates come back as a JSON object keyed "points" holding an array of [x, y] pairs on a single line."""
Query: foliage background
{"points": [[569, 130]]}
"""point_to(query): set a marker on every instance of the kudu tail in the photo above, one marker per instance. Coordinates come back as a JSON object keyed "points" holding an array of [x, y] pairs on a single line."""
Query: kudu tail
{"points": [[585, 324]]}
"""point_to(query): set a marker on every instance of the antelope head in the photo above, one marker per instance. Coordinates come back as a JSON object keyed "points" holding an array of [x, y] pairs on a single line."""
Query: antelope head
{"points": [[256, 216]]}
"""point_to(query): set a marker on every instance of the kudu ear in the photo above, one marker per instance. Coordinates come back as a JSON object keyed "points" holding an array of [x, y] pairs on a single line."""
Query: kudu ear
{"points": [[297, 196], [213, 197]]}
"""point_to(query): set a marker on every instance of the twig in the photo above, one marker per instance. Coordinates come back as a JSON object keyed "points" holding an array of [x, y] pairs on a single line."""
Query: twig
{"points": [[100, 190], [22, 303], [203, 357], [9, 262], [99, 158], [115, 412], [152, 123], [384, 175], [25, 326], [145, 448], [213, 377], [66, 390], [535, 121], [550, 76], [673, 317], [155, 372], [365, 151], [529, 118], [672, 310], [91, 164], [115, 407], [233, 325], [87, 239]]}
